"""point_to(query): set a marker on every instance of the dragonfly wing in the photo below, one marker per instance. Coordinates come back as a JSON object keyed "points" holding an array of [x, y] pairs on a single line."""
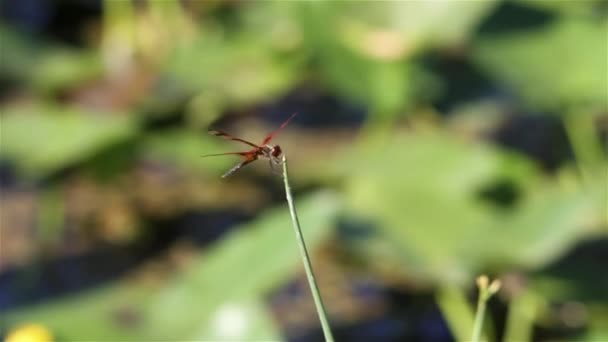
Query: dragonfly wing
{"points": [[230, 137], [272, 134], [238, 166], [244, 154]]}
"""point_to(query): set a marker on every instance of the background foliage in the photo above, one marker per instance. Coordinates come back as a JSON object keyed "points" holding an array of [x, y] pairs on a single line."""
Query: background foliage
{"points": [[435, 141]]}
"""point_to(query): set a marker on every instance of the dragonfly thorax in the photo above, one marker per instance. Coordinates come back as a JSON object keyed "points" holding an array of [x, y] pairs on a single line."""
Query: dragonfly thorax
{"points": [[270, 151]]}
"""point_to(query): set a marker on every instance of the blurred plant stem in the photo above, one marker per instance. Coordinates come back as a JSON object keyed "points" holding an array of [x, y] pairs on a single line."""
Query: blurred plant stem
{"points": [[584, 139], [455, 308], [486, 291], [52, 216], [142, 35], [520, 320], [306, 259], [118, 46]]}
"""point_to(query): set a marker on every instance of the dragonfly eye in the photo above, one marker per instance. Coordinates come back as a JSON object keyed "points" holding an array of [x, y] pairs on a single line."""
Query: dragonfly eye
{"points": [[276, 151]]}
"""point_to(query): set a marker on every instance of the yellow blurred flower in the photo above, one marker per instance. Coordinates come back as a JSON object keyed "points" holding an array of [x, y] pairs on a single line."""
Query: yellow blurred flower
{"points": [[30, 333]]}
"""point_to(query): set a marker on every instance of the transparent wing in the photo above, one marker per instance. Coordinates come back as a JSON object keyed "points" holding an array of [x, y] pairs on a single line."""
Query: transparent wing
{"points": [[238, 166], [272, 134], [244, 154], [230, 137]]}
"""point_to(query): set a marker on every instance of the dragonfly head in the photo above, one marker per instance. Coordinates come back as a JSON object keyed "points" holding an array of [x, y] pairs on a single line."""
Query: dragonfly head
{"points": [[276, 151]]}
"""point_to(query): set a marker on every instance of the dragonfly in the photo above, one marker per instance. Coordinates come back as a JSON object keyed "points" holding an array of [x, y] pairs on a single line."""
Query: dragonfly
{"points": [[263, 150]]}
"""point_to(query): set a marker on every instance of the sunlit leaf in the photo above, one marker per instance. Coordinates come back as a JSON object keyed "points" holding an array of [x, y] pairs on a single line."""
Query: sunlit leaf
{"points": [[45, 66], [549, 221], [558, 64], [65, 68], [185, 148], [110, 313], [43, 139], [598, 330], [423, 193], [364, 49], [383, 85], [419, 24], [243, 319], [241, 70], [243, 266]]}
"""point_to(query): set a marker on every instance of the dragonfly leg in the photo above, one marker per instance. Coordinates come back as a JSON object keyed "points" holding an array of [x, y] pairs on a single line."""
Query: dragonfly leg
{"points": [[274, 165]]}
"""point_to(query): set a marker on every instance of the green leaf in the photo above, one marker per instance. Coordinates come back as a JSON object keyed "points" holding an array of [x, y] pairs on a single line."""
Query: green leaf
{"points": [[244, 266], [598, 327], [549, 221], [185, 148], [219, 296], [242, 70], [19, 53], [45, 66], [364, 50], [245, 319], [384, 85], [64, 68], [420, 24], [93, 315], [559, 64], [44, 139], [589, 8], [457, 311], [422, 192]]}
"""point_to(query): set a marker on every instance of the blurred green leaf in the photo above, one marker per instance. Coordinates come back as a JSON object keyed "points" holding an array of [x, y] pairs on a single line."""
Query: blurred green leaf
{"points": [[218, 297], [244, 319], [244, 266], [363, 49], [547, 222], [423, 191], [185, 148], [457, 311], [273, 23], [45, 66], [19, 53], [44, 139], [64, 69], [559, 64], [351, 75], [383, 85], [598, 330], [101, 315], [523, 312], [241, 70], [574, 8], [420, 24]]}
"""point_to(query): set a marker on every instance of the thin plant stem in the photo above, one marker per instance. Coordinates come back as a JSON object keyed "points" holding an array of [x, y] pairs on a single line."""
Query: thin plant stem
{"points": [[583, 138], [312, 283], [523, 310], [479, 315], [486, 290], [454, 306]]}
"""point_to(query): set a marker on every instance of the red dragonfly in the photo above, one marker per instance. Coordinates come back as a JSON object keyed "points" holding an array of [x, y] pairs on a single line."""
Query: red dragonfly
{"points": [[264, 150]]}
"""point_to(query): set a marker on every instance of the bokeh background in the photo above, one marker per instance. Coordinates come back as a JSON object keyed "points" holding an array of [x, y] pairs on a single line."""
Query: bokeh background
{"points": [[435, 141]]}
